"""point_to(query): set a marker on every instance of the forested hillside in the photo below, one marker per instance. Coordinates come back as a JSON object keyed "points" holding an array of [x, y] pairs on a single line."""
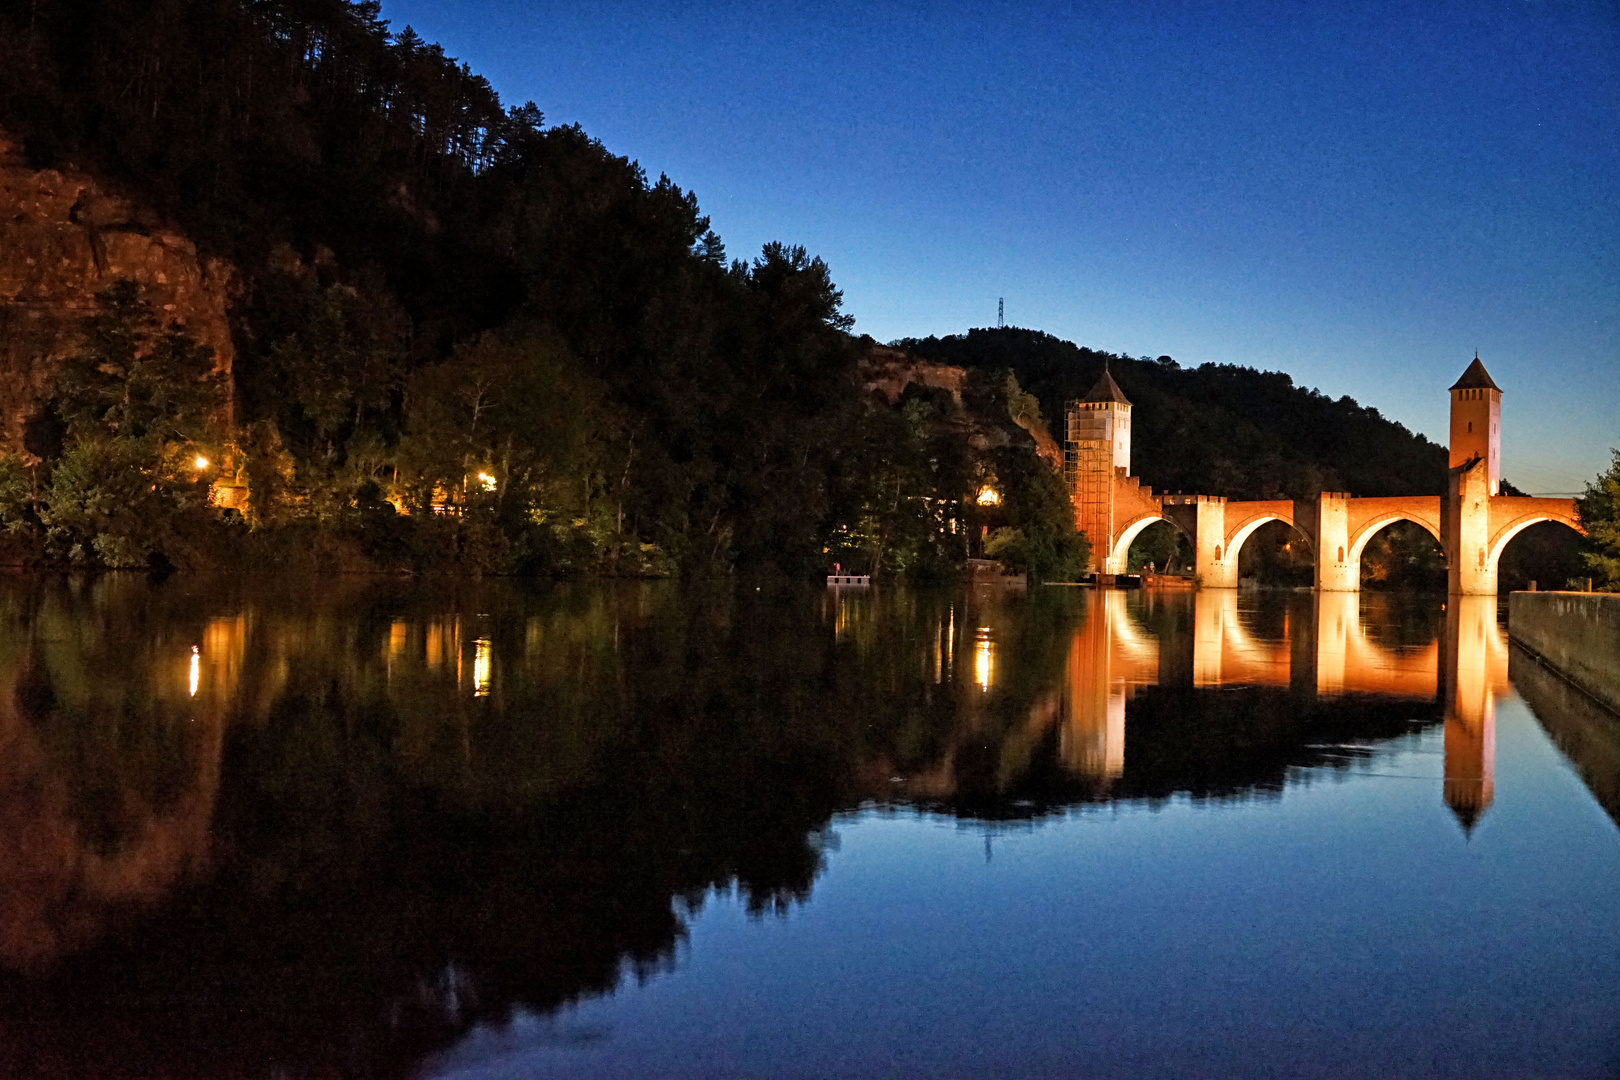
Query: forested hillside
{"points": [[467, 341], [1216, 429], [1247, 434], [445, 304]]}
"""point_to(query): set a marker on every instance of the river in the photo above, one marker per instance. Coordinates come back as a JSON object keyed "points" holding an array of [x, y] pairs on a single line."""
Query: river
{"points": [[291, 827]]}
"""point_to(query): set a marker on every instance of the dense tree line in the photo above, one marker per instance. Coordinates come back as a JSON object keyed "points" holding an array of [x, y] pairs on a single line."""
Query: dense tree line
{"points": [[447, 304], [1256, 434], [1600, 515], [1225, 430]]}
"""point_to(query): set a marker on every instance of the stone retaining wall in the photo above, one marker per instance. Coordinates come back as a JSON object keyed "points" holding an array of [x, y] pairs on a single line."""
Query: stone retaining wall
{"points": [[1577, 634]]}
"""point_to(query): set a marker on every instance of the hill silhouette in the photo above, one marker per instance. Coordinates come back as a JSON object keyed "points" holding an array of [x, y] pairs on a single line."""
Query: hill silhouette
{"points": [[1216, 429], [441, 304]]}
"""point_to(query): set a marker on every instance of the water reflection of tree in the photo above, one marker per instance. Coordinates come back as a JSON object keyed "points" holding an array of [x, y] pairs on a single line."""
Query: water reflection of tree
{"points": [[106, 784], [398, 867], [397, 858]]}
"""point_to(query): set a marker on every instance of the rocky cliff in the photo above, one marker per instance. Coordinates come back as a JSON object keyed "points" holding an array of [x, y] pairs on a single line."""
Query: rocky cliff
{"points": [[63, 237], [886, 372]]}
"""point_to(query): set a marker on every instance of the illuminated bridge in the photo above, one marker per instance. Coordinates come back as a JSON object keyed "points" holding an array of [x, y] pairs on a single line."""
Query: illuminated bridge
{"points": [[1472, 521]]}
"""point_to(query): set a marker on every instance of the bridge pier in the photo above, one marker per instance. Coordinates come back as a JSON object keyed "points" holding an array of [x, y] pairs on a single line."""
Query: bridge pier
{"points": [[1466, 523], [1203, 518], [1337, 569]]}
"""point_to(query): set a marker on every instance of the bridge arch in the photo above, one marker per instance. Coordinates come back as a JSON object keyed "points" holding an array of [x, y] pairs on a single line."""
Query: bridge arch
{"points": [[1119, 558], [1522, 521], [1236, 538], [1379, 522], [1222, 570]]}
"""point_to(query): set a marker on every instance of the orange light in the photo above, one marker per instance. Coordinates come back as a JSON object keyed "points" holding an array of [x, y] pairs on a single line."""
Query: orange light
{"points": [[201, 462]]}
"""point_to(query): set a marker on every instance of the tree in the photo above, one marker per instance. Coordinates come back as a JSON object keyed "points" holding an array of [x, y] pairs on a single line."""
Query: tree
{"points": [[142, 405], [1039, 537], [511, 432], [132, 379], [1600, 515]]}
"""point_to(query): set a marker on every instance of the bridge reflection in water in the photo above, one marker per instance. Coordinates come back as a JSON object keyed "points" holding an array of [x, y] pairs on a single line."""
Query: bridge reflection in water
{"points": [[382, 794], [1321, 649]]}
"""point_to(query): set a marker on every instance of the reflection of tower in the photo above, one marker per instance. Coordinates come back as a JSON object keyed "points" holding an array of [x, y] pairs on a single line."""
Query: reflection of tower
{"points": [[1212, 608], [1472, 664], [1098, 443], [1338, 619], [1109, 657]]}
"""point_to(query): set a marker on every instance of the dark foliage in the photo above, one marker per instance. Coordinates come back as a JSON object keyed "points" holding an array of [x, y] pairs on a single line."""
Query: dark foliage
{"points": [[1215, 429], [382, 207]]}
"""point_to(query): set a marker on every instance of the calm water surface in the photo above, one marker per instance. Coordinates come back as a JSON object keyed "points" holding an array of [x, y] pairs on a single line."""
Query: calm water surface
{"points": [[330, 827]]}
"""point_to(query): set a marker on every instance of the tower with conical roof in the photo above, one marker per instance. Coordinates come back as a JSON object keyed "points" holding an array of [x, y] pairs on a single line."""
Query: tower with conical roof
{"points": [[1098, 443], [1476, 422]]}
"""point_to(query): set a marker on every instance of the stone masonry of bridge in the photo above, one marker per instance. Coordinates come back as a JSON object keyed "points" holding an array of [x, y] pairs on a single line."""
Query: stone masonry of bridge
{"points": [[1472, 521]]}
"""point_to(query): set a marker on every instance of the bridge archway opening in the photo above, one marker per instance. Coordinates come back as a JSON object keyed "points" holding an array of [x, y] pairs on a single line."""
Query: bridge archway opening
{"points": [[1273, 551], [1545, 550], [1399, 553], [1158, 543]]}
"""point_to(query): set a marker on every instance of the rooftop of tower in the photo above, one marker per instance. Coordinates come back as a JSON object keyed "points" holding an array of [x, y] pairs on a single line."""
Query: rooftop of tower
{"points": [[1476, 378], [1108, 390]]}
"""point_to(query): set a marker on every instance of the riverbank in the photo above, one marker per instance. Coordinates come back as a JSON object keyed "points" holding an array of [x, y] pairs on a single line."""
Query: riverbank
{"points": [[1576, 634]]}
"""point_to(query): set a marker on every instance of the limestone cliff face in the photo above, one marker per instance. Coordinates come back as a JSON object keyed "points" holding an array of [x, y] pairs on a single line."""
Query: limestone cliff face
{"points": [[886, 373], [63, 237]]}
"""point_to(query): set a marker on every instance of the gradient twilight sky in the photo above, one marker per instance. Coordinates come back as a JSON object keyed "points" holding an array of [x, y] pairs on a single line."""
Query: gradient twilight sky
{"points": [[1360, 195]]}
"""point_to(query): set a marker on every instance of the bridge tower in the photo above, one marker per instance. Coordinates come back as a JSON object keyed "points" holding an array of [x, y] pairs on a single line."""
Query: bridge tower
{"points": [[1473, 483], [1476, 423], [1473, 520], [1098, 443]]}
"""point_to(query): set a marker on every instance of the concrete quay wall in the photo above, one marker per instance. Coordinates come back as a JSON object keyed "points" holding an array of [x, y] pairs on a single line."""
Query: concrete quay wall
{"points": [[1576, 634]]}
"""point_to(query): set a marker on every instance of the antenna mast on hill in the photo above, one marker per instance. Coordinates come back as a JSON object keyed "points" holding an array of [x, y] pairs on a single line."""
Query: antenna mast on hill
{"points": [[1001, 312]]}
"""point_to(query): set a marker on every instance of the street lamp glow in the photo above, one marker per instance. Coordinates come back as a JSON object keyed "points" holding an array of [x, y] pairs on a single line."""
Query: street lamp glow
{"points": [[989, 496], [201, 462], [487, 480]]}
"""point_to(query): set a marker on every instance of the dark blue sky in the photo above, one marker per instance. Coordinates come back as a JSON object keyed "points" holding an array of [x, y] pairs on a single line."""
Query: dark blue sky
{"points": [[1358, 195]]}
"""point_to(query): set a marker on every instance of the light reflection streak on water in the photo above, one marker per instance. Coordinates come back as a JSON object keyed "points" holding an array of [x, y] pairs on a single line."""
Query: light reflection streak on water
{"points": [[481, 667], [1084, 686], [984, 658]]}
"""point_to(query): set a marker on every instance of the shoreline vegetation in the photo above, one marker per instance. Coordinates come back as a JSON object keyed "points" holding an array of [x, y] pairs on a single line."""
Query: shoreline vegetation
{"points": [[469, 343]]}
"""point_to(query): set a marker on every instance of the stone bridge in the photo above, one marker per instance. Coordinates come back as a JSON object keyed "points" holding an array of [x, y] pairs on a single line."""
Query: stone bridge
{"points": [[1472, 522]]}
